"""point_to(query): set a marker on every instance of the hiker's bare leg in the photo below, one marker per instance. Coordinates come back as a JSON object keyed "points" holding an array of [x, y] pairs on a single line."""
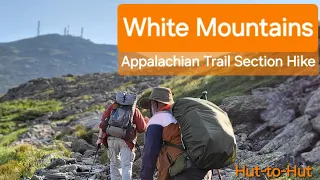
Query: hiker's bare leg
{"points": [[127, 158], [208, 176], [191, 174], [114, 157]]}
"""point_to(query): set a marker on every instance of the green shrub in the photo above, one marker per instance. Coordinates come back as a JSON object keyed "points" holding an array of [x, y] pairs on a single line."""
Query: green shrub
{"points": [[83, 133], [11, 137], [23, 160], [96, 107], [27, 109], [86, 97]]}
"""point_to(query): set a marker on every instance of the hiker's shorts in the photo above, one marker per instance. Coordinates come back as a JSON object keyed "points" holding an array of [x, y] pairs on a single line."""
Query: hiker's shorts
{"points": [[121, 159]]}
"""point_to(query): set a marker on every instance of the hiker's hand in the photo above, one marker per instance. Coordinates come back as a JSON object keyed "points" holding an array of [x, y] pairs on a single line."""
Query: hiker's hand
{"points": [[146, 119], [99, 142]]}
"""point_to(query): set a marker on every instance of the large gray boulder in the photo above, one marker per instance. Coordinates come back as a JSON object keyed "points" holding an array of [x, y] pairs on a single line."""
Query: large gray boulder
{"points": [[312, 157], [81, 146], [243, 109], [295, 138]]}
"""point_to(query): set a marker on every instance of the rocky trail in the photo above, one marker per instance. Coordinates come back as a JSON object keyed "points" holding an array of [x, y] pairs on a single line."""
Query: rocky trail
{"points": [[274, 127], [83, 162]]}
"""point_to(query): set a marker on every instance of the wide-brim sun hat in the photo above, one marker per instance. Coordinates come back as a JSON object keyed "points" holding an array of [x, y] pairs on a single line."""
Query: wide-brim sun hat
{"points": [[159, 94]]}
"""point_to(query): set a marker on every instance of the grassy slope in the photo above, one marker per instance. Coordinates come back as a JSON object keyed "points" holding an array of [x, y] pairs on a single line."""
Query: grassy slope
{"points": [[217, 87], [24, 159], [15, 114]]}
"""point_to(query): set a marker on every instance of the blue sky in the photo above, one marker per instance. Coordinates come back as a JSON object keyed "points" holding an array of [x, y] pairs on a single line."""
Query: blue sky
{"points": [[18, 18]]}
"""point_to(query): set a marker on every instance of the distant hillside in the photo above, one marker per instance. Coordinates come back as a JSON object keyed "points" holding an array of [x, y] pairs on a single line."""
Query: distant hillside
{"points": [[50, 56]]}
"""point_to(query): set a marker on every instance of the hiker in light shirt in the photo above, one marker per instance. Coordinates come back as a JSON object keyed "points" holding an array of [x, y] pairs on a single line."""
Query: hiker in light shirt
{"points": [[163, 127]]}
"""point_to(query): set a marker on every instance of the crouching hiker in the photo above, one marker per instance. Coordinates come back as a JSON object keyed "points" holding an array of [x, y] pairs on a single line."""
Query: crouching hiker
{"points": [[120, 123], [184, 139]]}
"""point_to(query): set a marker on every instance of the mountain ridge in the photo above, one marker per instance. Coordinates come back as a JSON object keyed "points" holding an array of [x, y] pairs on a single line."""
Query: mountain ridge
{"points": [[52, 55]]}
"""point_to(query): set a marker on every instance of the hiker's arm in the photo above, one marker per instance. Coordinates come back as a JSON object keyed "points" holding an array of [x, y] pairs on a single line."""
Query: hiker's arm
{"points": [[105, 115], [100, 133], [151, 150], [140, 121]]}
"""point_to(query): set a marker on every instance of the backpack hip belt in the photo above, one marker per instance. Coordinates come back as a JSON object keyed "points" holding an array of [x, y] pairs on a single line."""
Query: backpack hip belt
{"points": [[116, 131]]}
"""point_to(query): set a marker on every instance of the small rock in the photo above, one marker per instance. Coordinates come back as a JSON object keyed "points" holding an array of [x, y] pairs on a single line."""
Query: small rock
{"points": [[70, 160], [69, 138], [87, 161], [35, 177], [57, 176], [56, 162], [77, 156], [83, 168], [243, 136], [88, 153], [68, 168], [44, 172]]}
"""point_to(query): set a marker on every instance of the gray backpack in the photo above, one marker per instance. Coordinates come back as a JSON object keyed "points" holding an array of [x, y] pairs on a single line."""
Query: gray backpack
{"points": [[119, 124]]}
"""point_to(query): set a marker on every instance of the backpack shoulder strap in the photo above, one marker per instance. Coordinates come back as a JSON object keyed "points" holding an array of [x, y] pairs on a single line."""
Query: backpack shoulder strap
{"points": [[134, 105]]}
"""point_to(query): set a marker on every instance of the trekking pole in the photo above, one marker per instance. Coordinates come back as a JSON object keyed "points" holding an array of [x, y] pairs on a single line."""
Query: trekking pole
{"points": [[137, 150], [219, 175], [95, 158]]}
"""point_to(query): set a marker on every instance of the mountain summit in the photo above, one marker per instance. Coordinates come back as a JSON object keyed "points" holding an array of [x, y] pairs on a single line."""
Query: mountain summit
{"points": [[50, 56]]}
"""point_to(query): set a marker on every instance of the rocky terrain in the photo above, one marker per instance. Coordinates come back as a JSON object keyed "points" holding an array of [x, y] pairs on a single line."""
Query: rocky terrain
{"points": [[50, 56], [278, 126], [275, 124], [82, 99]]}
